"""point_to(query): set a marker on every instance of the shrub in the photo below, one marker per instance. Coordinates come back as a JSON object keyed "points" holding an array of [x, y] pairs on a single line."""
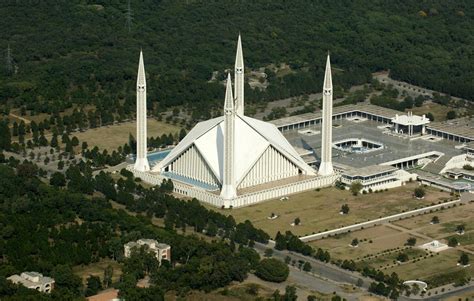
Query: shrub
{"points": [[452, 242], [411, 241], [419, 192], [273, 270]]}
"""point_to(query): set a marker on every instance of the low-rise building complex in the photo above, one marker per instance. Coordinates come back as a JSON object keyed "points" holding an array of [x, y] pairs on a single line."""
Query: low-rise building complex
{"points": [[34, 280]]}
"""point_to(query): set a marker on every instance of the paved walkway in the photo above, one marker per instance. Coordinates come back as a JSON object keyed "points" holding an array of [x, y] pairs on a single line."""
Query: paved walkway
{"points": [[414, 233]]}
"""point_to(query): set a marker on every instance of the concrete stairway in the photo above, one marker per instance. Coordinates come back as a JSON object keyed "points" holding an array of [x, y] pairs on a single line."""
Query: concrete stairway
{"points": [[436, 166]]}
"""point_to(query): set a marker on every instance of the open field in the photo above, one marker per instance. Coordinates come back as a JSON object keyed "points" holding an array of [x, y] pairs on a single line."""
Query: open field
{"points": [[449, 219], [113, 136], [465, 296], [389, 239], [371, 240], [319, 210], [445, 261], [439, 111], [97, 269]]}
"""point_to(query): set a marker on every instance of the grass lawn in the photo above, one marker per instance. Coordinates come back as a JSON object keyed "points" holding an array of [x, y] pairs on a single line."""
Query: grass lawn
{"points": [[382, 237], [97, 269], [449, 219], [390, 259], [319, 210], [446, 261], [113, 136], [438, 111]]}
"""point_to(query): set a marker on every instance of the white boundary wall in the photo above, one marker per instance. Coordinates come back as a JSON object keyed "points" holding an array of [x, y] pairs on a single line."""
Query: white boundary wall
{"points": [[242, 200], [379, 221]]}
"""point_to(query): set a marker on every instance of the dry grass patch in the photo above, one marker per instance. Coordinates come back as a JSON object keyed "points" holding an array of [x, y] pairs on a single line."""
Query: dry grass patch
{"points": [[113, 136], [382, 237], [319, 210], [97, 269], [438, 111], [449, 219], [445, 261]]}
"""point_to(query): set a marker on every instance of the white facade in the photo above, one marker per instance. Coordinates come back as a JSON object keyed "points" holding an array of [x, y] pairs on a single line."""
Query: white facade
{"points": [[161, 251], [230, 160], [410, 124], [239, 79], [229, 190], [34, 280], [376, 177], [326, 168], [246, 199], [141, 162]]}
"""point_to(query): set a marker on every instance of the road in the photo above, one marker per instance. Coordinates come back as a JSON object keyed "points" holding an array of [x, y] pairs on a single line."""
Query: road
{"points": [[324, 278], [328, 277]]}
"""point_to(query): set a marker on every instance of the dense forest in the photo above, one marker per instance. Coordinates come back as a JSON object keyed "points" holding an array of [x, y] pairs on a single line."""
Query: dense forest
{"points": [[59, 53], [52, 228]]}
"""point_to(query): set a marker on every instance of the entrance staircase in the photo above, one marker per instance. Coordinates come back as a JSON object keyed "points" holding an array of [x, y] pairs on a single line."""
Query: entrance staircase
{"points": [[436, 166]]}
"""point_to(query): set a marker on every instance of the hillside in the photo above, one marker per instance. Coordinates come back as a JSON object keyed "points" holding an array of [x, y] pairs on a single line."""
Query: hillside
{"points": [[81, 51]]}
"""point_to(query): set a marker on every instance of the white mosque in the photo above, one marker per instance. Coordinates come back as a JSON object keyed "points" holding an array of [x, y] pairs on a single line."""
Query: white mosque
{"points": [[234, 160]]}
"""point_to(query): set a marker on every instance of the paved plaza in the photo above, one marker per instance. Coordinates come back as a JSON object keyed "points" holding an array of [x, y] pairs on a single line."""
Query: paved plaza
{"points": [[394, 147]]}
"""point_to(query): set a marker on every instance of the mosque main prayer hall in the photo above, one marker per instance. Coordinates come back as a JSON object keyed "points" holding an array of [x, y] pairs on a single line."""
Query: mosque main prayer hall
{"points": [[234, 160]]}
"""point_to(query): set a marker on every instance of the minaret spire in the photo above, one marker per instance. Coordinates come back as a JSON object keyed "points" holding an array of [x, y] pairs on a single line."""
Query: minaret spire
{"points": [[239, 78], [141, 162], [326, 168], [228, 190]]}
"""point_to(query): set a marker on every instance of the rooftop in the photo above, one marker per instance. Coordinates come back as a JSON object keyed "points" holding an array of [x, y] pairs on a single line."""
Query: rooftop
{"points": [[410, 119], [365, 107], [147, 241], [460, 171], [470, 145], [395, 147], [368, 171], [31, 279], [461, 126]]}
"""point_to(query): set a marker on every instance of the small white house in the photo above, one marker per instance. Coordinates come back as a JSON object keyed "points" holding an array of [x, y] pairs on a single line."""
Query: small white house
{"points": [[34, 280], [162, 251]]}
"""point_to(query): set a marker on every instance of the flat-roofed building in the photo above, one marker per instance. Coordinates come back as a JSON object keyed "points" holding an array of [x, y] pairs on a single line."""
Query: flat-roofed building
{"points": [[34, 280], [410, 124], [469, 147], [460, 173], [375, 177], [162, 251]]}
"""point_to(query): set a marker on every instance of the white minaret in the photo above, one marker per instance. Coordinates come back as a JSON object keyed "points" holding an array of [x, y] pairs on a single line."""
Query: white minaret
{"points": [[326, 144], [228, 182], [239, 79], [141, 163]]}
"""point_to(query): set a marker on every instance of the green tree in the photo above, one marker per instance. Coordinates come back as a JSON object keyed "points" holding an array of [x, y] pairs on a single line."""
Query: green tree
{"points": [[402, 257], [411, 241], [57, 179], [290, 293], [430, 116], [108, 274], [464, 259], [297, 221], [460, 228], [93, 286], [268, 252], [451, 115], [453, 242], [345, 209], [419, 192], [356, 187], [273, 270], [355, 242]]}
